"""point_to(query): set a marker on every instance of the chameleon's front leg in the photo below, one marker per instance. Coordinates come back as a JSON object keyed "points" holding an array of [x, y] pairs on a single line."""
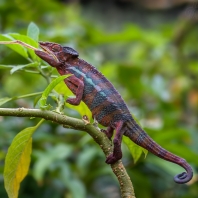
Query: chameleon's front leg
{"points": [[71, 82]]}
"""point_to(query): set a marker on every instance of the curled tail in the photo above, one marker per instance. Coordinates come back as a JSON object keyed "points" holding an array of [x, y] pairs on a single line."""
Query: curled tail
{"points": [[141, 138]]}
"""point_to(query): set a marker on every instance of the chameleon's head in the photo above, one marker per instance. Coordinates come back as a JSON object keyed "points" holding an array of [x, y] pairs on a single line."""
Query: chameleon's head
{"points": [[55, 54]]}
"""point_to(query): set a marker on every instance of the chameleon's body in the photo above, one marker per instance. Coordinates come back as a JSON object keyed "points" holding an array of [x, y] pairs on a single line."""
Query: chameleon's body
{"points": [[105, 103]]}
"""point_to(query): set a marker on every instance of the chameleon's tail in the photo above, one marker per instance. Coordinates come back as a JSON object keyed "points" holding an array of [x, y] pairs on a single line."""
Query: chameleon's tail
{"points": [[140, 137]]}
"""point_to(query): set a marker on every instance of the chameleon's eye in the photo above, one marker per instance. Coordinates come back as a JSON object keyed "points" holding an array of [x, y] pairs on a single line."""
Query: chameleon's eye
{"points": [[56, 48]]}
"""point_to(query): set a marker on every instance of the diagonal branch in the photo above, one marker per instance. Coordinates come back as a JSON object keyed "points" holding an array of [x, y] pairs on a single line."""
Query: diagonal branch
{"points": [[101, 139]]}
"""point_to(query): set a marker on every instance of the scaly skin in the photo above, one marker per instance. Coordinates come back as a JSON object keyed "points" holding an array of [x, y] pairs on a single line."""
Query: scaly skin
{"points": [[105, 103]]}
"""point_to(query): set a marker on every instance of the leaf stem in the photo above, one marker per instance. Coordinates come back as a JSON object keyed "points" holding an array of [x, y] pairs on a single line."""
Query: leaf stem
{"points": [[18, 42], [27, 95], [47, 77]]}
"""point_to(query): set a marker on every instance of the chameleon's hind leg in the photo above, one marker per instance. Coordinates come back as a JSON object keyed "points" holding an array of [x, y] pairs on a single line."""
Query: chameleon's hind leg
{"points": [[117, 152], [108, 131]]}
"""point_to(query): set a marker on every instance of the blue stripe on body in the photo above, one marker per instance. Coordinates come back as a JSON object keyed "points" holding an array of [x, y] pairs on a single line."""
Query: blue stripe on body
{"points": [[87, 80], [109, 90], [89, 84], [101, 95]]}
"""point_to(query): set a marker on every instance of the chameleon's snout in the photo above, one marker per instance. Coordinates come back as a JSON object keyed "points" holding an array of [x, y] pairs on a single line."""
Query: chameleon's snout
{"points": [[46, 47]]}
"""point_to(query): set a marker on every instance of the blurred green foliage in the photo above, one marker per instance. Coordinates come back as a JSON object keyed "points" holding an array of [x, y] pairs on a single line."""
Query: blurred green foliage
{"points": [[156, 72]]}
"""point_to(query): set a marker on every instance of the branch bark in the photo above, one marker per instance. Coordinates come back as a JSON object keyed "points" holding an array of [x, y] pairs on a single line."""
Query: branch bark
{"points": [[101, 139]]}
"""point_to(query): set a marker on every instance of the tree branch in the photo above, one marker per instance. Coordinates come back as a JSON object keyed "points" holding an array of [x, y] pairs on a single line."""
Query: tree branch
{"points": [[101, 139]]}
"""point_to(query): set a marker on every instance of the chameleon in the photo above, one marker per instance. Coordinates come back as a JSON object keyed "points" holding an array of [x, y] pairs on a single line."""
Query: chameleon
{"points": [[105, 103]]}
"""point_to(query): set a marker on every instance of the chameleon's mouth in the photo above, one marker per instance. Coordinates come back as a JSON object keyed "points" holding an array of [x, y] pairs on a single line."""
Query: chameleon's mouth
{"points": [[48, 51]]}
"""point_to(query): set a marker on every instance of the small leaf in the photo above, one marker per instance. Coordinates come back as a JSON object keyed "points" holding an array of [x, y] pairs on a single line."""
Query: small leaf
{"points": [[135, 150], [18, 160], [144, 151], [33, 31], [49, 88]]}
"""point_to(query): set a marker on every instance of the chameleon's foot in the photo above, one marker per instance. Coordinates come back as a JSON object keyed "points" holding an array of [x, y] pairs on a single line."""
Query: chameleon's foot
{"points": [[73, 101], [111, 159], [108, 132], [117, 152]]}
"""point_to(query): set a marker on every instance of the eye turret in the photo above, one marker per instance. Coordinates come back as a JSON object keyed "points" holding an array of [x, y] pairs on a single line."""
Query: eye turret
{"points": [[56, 48]]}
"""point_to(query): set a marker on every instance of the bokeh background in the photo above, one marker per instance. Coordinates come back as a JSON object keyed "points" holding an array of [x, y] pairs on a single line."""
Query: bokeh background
{"points": [[149, 51]]}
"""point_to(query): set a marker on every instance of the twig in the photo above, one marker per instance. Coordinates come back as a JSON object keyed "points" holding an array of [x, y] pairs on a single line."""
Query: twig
{"points": [[101, 139], [18, 42], [46, 50]]}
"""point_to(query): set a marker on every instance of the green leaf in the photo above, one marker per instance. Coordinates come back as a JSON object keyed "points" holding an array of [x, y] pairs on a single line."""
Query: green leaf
{"points": [[17, 48], [18, 160], [33, 31], [50, 87], [135, 150]]}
